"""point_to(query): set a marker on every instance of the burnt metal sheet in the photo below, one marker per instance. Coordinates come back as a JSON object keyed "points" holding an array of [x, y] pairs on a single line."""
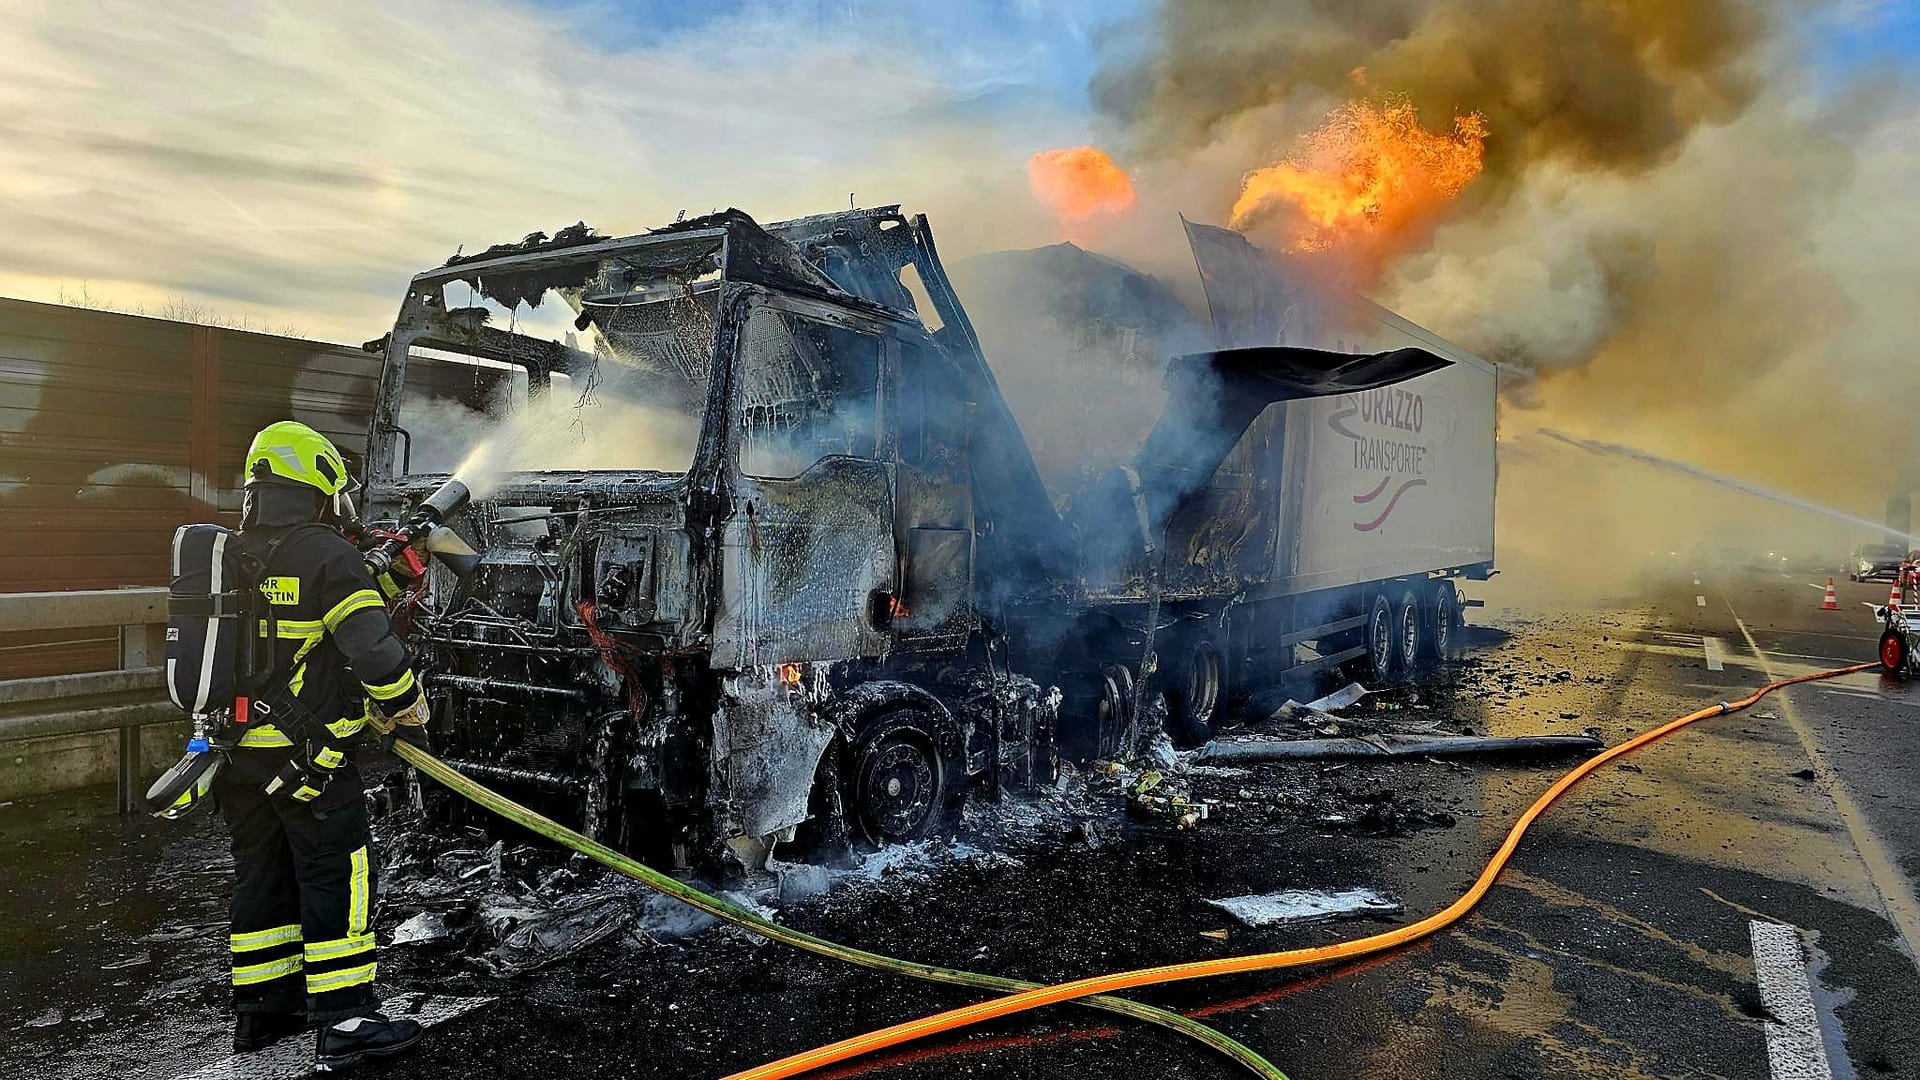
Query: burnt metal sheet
{"points": [[767, 740], [802, 560]]}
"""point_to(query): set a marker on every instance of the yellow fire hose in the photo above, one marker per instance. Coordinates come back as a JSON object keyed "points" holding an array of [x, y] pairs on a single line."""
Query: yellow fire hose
{"points": [[955, 1019], [747, 920]]}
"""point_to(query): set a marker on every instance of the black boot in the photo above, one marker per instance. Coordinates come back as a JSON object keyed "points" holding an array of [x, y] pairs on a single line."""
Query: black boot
{"points": [[345, 1043], [255, 1031]]}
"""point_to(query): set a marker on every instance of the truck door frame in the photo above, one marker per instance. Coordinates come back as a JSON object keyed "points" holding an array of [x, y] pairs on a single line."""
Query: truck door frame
{"points": [[845, 501]]}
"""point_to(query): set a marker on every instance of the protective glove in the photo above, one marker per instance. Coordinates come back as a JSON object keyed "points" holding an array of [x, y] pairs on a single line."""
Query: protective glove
{"points": [[409, 723], [411, 562], [298, 782], [414, 735]]}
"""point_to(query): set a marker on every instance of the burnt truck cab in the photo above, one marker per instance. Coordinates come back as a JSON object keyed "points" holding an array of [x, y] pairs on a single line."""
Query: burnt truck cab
{"points": [[729, 532]]}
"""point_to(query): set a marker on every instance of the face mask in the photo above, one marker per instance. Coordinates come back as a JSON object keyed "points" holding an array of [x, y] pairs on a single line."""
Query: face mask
{"points": [[341, 513]]}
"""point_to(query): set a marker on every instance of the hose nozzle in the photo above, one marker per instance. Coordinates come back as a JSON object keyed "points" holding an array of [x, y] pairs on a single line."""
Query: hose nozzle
{"points": [[445, 502]]}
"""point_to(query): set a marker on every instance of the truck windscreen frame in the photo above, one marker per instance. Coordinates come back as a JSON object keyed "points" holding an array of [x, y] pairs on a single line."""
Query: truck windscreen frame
{"points": [[599, 358]]}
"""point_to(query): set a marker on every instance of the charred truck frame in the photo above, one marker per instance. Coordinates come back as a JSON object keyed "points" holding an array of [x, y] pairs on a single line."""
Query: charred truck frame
{"points": [[791, 598]]}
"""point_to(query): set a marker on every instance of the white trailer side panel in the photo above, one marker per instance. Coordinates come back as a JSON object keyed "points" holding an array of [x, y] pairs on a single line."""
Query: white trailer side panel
{"points": [[1390, 482]]}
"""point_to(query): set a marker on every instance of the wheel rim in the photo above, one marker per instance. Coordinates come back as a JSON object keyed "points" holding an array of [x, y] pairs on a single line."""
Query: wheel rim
{"points": [[1409, 634], [1115, 707], [1203, 684], [899, 788], [1381, 630], [1443, 627], [1891, 652]]}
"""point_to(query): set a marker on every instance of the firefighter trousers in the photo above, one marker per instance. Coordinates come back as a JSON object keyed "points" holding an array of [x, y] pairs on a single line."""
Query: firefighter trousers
{"points": [[302, 931]]}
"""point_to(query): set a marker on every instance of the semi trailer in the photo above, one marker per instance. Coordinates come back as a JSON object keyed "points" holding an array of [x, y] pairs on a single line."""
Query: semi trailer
{"points": [[761, 556]]}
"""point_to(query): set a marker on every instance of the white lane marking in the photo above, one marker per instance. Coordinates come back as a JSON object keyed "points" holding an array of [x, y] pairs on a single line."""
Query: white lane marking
{"points": [[1696, 583], [1896, 895], [292, 1059], [1837, 661], [1859, 696], [1795, 1050], [1870, 639], [1716, 651], [1700, 601]]}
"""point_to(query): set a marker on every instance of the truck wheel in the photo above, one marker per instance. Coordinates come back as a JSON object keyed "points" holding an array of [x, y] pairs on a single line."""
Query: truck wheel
{"points": [[1409, 637], [1380, 640], [1893, 651], [902, 788], [1113, 709], [1194, 708], [1443, 642]]}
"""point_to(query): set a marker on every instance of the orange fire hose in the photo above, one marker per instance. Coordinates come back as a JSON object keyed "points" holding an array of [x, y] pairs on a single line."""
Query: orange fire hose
{"points": [[955, 1019]]}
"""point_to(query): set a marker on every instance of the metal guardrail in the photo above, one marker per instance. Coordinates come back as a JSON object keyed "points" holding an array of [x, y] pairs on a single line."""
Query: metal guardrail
{"points": [[124, 700]]}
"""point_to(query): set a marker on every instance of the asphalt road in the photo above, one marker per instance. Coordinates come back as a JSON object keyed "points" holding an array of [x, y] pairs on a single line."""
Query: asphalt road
{"points": [[1622, 942]]}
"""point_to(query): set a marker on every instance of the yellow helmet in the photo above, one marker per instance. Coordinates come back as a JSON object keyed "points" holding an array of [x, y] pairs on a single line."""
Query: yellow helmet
{"points": [[298, 454]]}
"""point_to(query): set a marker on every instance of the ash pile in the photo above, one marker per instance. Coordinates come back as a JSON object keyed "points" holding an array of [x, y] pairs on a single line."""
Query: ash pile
{"points": [[490, 904]]}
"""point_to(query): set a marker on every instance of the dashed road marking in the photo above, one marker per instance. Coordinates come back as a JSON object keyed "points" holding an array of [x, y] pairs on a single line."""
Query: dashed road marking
{"points": [[1716, 651], [1795, 1050], [1837, 661], [1868, 695], [1849, 693], [1700, 601]]}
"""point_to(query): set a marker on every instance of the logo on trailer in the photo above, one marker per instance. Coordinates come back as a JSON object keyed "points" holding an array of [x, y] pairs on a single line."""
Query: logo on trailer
{"points": [[1386, 427]]}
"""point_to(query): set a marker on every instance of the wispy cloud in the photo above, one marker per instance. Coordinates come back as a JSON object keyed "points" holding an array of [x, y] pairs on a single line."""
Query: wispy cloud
{"points": [[299, 162]]}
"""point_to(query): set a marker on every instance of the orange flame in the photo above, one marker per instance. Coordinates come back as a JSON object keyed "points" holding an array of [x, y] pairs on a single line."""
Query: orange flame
{"points": [[1363, 180], [790, 674], [1078, 182]]}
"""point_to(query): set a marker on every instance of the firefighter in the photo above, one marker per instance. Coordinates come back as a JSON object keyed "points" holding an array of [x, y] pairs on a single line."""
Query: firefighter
{"points": [[301, 935]]}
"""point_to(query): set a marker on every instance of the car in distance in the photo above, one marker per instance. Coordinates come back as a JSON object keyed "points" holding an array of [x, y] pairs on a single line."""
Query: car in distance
{"points": [[1875, 562]]}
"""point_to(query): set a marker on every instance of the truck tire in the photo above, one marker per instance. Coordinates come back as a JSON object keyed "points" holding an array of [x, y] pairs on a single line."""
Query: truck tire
{"points": [[1379, 640], [1409, 633], [1113, 709], [900, 787], [1193, 701], [1443, 641]]}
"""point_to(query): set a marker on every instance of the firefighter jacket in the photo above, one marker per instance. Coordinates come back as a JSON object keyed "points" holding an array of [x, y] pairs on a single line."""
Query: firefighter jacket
{"points": [[335, 652]]}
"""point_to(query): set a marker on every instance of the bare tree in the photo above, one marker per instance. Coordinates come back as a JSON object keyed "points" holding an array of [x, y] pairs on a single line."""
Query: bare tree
{"points": [[173, 309]]}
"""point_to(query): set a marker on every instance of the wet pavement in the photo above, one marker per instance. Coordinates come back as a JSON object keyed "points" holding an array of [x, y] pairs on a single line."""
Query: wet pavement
{"points": [[1617, 945]]}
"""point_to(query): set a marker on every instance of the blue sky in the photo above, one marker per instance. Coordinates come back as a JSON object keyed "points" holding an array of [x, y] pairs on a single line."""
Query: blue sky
{"points": [[1859, 35], [1046, 52], [1001, 53]]}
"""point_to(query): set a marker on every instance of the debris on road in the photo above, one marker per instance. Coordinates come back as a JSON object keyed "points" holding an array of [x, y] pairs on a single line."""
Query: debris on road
{"points": [[530, 939], [1299, 906], [1343, 698], [1388, 745], [427, 926]]}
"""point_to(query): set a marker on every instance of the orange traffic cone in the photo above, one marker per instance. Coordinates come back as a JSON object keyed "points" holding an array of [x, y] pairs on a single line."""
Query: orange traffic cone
{"points": [[1832, 602], [1893, 596]]}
